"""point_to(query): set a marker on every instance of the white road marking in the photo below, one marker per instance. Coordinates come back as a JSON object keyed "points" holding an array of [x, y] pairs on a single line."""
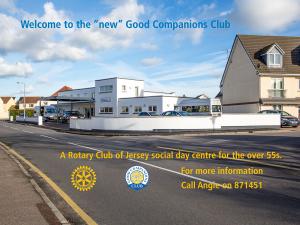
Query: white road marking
{"points": [[26, 131], [82, 146], [45, 136]]}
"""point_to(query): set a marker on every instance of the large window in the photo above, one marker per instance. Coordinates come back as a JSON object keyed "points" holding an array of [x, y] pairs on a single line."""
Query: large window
{"points": [[105, 88], [125, 110], [136, 90], [277, 88], [152, 108], [198, 108], [275, 59], [106, 110], [137, 109]]}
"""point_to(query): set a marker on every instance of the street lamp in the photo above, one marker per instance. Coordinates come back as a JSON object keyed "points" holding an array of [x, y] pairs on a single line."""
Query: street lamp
{"points": [[24, 101]]}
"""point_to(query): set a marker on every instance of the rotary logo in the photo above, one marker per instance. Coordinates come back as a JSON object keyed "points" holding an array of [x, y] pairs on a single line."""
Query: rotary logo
{"points": [[83, 178], [137, 177]]}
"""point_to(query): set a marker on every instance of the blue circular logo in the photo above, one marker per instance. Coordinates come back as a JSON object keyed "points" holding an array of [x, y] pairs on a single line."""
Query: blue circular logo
{"points": [[137, 178]]}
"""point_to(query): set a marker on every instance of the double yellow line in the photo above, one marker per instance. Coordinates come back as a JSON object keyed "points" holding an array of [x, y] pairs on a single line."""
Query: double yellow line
{"points": [[52, 184]]}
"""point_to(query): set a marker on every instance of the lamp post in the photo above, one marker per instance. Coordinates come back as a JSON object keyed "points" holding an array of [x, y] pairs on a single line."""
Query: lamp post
{"points": [[24, 101]]}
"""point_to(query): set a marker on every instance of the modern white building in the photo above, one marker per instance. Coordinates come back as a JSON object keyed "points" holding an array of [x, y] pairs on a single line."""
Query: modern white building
{"points": [[119, 97]]}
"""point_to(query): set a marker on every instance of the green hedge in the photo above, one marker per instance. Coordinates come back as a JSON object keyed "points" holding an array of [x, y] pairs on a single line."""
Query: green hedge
{"points": [[18, 112]]}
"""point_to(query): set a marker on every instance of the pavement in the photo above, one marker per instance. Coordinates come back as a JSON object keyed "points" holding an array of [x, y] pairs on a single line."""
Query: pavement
{"points": [[163, 202], [20, 203]]}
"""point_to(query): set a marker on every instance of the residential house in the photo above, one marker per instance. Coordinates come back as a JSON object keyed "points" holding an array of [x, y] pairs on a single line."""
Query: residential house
{"points": [[262, 72], [33, 101], [5, 103]]}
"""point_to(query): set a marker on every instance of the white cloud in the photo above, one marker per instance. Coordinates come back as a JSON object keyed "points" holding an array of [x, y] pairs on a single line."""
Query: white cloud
{"points": [[212, 68], [153, 61], [37, 44], [96, 38], [66, 44], [8, 5], [194, 35], [18, 69], [267, 15], [149, 46]]}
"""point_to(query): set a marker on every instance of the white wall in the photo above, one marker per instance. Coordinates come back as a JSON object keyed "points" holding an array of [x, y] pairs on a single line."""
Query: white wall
{"points": [[83, 93], [176, 123]]}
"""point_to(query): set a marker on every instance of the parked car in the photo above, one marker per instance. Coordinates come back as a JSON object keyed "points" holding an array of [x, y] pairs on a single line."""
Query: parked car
{"points": [[286, 118], [67, 115], [175, 113], [147, 114]]}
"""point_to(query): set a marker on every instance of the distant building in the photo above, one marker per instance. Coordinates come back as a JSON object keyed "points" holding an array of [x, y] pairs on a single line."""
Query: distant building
{"points": [[33, 101], [5, 103], [262, 72], [127, 97]]}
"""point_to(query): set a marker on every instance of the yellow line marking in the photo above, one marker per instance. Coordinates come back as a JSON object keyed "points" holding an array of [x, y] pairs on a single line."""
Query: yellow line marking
{"points": [[230, 158], [65, 196]]}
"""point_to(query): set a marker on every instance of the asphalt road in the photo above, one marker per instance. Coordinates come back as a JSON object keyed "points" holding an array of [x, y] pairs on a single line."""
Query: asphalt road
{"points": [[163, 202]]}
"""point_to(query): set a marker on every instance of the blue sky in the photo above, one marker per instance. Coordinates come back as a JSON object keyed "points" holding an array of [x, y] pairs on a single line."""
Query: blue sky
{"points": [[188, 62]]}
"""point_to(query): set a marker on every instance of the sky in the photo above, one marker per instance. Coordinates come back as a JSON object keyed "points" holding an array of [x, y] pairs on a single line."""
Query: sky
{"points": [[188, 61]]}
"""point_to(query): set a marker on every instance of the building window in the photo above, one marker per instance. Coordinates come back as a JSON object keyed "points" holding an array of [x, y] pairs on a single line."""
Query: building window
{"points": [[152, 108], [105, 99], [105, 89], [45, 103], [275, 59], [277, 90], [125, 110], [123, 88], [277, 107], [106, 110], [137, 109], [298, 84], [198, 108], [136, 91]]}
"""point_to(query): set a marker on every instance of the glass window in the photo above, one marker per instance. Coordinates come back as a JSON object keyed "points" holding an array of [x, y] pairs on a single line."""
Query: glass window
{"points": [[106, 110], [299, 84], [216, 108], [125, 109], [136, 91], [106, 88], [137, 109], [152, 108], [274, 59], [277, 83], [123, 88]]}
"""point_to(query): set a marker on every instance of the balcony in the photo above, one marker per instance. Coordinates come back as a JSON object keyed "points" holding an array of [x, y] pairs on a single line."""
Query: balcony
{"points": [[276, 93]]}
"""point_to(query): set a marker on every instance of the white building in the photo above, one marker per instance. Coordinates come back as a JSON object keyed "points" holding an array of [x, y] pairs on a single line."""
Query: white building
{"points": [[116, 96]]}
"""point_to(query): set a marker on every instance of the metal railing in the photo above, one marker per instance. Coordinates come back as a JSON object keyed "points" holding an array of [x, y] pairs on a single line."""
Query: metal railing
{"points": [[276, 93]]}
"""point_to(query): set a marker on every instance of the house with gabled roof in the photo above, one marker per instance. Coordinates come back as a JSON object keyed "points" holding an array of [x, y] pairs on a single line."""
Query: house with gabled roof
{"points": [[6, 102], [262, 72]]}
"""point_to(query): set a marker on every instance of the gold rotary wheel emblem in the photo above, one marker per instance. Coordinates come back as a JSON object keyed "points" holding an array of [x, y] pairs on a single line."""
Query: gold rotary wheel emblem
{"points": [[83, 178]]}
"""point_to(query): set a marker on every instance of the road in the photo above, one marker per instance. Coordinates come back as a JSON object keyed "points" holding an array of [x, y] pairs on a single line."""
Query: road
{"points": [[163, 201]]}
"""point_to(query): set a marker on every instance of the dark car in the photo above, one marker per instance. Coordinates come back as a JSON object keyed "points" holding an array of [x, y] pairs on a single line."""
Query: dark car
{"points": [[175, 113], [69, 114], [147, 114], [286, 118]]}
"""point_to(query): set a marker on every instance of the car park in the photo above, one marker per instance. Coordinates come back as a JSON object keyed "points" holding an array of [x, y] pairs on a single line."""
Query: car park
{"points": [[286, 118], [67, 115]]}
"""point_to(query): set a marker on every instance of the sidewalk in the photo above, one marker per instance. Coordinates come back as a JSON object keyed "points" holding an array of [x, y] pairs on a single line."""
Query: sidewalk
{"points": [[20, 203]]}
